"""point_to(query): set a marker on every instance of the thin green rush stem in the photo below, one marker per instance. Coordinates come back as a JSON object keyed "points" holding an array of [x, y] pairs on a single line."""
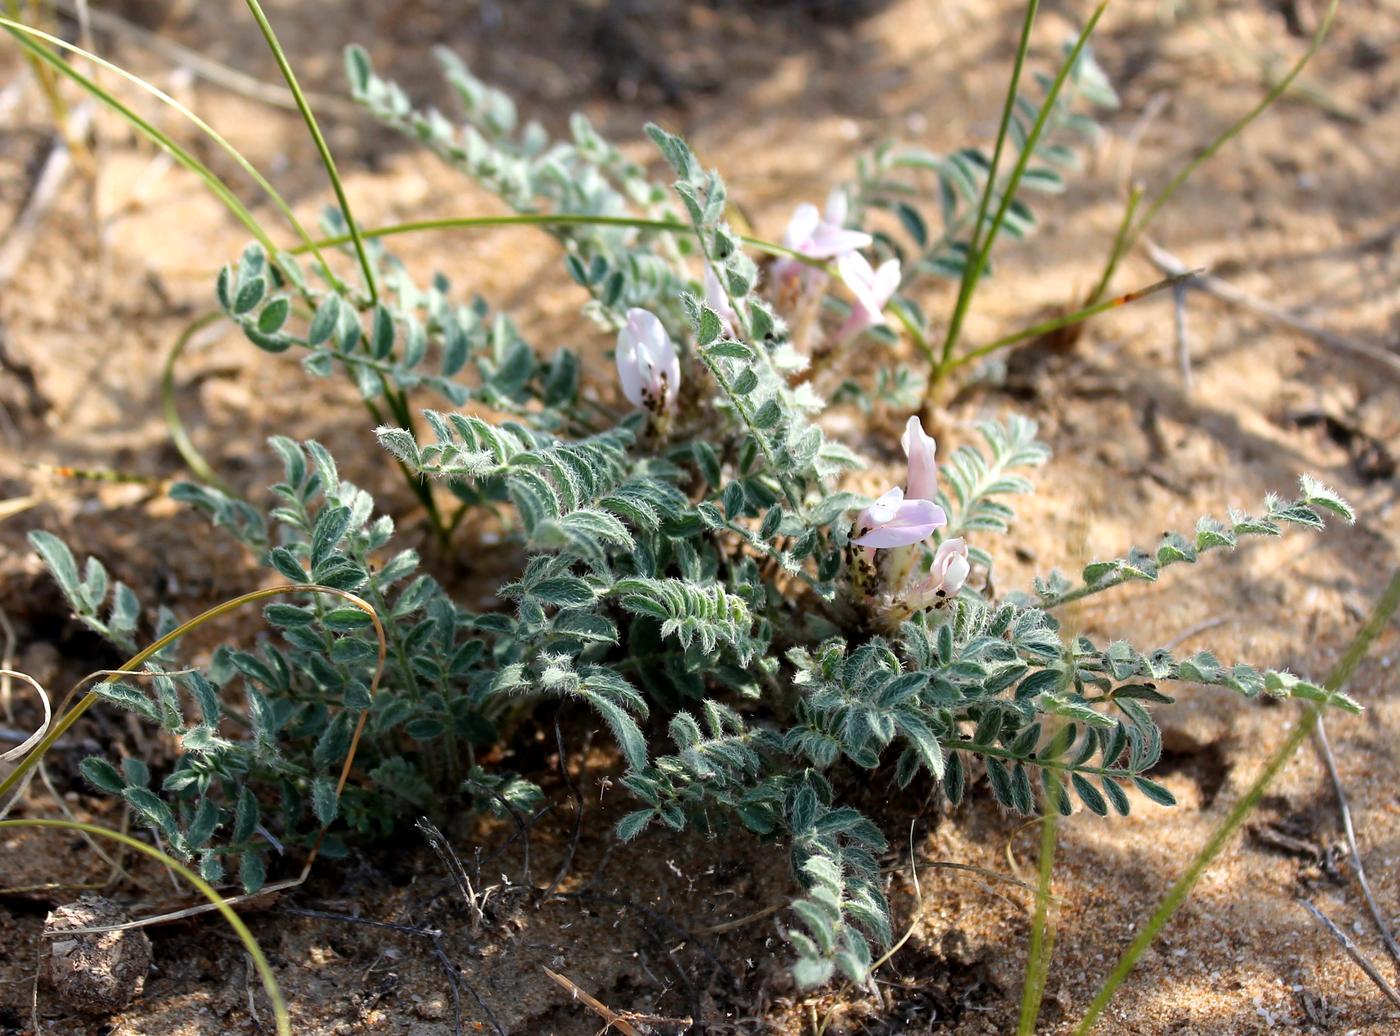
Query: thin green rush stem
{"points": [[768, 247], [273, 195], [250, 943], [49, 87], [1045, 327], [1042, 939], [21, 33], [969, 280], [547, 219], [314, 128], [1120, 240], [1179, 892], [973, 273], [1126, 243], [195, 460]]}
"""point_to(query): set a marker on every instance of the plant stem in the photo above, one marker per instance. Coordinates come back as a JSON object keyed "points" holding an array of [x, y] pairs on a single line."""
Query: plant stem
{"points": [[1115, 253], [200, 467], [547, 219], [983, 248], [969, 279], [326, 159], [1179, 892], [1042, 935], [1125, 242], [1069, 319]]}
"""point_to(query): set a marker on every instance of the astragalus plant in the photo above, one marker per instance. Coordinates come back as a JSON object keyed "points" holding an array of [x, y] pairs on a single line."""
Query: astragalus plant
{"points": [[693, 567]]}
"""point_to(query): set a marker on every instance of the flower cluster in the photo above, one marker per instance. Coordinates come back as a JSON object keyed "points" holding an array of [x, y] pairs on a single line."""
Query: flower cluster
{"points": [[904, 517], [646, 357]]}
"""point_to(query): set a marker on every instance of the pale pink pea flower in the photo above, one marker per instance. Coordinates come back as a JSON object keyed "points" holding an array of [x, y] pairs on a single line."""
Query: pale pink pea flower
{"points": [[945, 578], [818, 235], [872, 288], [647, 364], [893, 521]]}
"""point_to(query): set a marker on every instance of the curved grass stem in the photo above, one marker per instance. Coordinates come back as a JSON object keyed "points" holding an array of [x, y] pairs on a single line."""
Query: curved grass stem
{"points": [[255, 953], [22, 35], [62, 725], [548, 219], [200, 467]]}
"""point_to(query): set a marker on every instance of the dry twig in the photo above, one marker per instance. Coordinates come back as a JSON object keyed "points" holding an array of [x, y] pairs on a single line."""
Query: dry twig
{"points": [[602, 1010], [1216, 288], [1362, 961], [1386, 937], [15, 246]]}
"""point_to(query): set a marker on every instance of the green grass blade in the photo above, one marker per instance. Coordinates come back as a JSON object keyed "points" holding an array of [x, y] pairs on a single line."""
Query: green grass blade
{"points": [[1042, 939], [255, 953], [1045, 327], [22, 33], [547, 220], [1179, 892], [969, 280], [321, 146], [218, 138], [972, 274], [1126, 242]]}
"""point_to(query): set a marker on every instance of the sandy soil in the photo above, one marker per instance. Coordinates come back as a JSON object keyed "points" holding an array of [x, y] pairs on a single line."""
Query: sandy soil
{"points": [[782, 97]]}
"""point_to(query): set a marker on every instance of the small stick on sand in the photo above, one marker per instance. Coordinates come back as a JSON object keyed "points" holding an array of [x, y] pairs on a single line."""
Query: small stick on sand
{"points": [[15, 246], [602, 1010], [1386, 937], [1355, 954], [1215, 287]]}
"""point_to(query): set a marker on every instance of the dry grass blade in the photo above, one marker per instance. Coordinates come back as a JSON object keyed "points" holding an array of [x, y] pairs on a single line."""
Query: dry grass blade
{"points": [[206, 68], [33, 739], [1362, 961], [453, 863]]}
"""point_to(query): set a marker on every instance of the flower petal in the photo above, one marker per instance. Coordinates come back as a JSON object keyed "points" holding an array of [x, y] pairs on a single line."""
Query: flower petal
{"points": [[912, 522], [883, 509], [920, 448], [886, 281], [837, 207], [804, 222], [956, 574], [859, 277], [629, 373], [830, 242]]}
